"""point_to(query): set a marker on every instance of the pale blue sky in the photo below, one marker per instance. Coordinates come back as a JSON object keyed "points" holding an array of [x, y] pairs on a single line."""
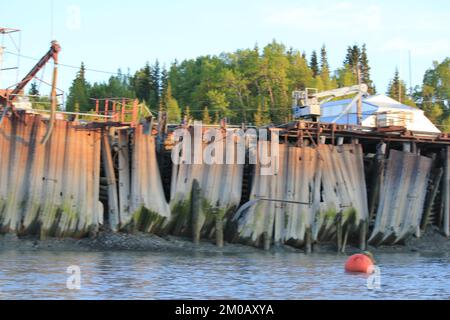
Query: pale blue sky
{"points": [[125, 34]]}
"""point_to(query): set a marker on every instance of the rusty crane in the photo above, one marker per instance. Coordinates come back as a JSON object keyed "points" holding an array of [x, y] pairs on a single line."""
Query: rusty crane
{"points": [[7, 98]]}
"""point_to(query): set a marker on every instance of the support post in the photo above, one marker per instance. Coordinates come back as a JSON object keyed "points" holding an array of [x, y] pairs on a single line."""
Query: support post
{"points": [[339, 231], [195, 211], [114, 111], [266, 241], [123, 110], [135, 113], [446, 191], [113, 199], [308, 241], [363, 235], [219, 231], [406, 147], [106, 109], [433, 193]]}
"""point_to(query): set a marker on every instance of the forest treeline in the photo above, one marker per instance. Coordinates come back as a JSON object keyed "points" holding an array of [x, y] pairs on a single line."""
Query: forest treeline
{"points": [[255, 85]]}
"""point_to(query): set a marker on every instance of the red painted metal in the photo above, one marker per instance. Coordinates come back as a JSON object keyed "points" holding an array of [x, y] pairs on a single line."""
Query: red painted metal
{"points": [[123, 110], [106, 109]]}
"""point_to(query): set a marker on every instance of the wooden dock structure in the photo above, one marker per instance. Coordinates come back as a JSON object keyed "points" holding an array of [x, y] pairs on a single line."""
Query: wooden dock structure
{"points": [[335, 184]]}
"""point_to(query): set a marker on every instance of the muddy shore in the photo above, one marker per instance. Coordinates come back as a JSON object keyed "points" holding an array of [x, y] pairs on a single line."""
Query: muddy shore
{"points": [[432, 242]]}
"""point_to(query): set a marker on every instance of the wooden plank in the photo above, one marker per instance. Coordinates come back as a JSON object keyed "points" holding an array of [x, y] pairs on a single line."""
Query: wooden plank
{"points": [[113, 200], [446, 192], [124, 177]]}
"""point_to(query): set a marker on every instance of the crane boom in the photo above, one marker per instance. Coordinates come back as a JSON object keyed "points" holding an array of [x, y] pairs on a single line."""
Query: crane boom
{"points": [[51, 54], [307, 103]]}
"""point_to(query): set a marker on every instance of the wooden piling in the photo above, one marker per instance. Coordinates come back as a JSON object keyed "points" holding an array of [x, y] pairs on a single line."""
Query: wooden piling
{"points": [[219, 231], [363, 235], [339, 231], [196, 211], [446, 191], [308, 241], [113, 198], [344, 241], [266, 241], [438, 173]]}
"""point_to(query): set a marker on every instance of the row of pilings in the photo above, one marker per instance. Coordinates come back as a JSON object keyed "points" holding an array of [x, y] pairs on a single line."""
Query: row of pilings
{"points": [[87, 178]]}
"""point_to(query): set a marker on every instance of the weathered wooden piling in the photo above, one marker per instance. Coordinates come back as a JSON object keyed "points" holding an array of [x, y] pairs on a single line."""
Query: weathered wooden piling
{"points": [[437, 177], [149, 211], [196, 213], [402, 196], [52, 189], [311, 187], [446, 192], [316, 194], [113, 197], [220, 184], [219, 231]]}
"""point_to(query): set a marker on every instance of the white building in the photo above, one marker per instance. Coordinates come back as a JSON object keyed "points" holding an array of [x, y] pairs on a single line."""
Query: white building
{"points": [[379, 111]]}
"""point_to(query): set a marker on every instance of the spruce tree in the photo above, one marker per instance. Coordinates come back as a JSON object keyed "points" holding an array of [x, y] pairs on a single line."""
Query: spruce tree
{"points": [[164, 86], [397, 90], [155, 90], [365, 70], [79, 92], [173, 110], [314, 64], [324, 69], [142, 84], [34, 91]]}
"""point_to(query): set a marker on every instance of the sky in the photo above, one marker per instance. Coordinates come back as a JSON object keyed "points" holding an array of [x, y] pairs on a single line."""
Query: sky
{"points": [[111, 34]]}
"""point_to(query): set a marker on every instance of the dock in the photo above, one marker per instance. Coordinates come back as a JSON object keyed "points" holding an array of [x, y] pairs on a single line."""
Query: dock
{"points": [[342, 184]]}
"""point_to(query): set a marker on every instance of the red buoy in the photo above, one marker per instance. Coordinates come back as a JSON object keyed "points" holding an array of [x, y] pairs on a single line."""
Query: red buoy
{"points": [[359, 263]]}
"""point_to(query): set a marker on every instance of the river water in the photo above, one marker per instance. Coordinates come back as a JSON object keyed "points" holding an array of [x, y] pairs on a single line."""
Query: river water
{"points": [[141, 275]]}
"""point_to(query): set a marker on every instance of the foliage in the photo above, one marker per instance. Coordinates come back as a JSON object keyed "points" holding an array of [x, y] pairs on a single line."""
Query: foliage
{"points": [[253, 85]]}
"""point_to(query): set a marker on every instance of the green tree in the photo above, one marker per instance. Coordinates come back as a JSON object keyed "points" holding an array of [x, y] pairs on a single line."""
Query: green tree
{"points": [[38, 102], [434, 95], [325, 69], [155, 85], [365, 70], [79, 92], [345, 77], [314, 64], [206, 119], [34, 91], [353, 56], [397, 90], [142, 84], [218, 102], [274, 69], [173, 110]]}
